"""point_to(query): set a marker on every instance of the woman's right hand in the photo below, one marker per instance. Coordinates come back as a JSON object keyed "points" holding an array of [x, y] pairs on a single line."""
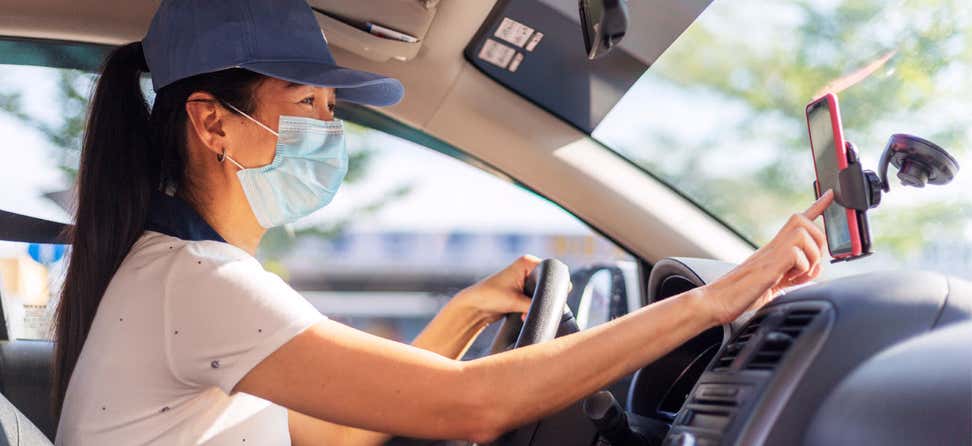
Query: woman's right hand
{"points": [[792, 258]]}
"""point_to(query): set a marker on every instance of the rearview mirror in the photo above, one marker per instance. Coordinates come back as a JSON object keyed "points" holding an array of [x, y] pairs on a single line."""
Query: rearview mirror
{"points": [[604, 23]]}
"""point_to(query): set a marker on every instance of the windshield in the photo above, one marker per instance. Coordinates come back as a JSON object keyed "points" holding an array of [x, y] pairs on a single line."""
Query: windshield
{"points": [[720, 115]]}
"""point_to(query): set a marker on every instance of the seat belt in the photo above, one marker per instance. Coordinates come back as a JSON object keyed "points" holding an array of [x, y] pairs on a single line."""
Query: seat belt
{"points": [[21, 228]]}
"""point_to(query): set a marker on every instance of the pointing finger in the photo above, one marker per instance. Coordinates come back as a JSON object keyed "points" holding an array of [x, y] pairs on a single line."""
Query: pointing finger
{"points": [[819, 206]]}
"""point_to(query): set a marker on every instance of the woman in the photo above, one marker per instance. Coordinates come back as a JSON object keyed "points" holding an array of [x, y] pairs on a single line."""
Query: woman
{"points": [[170, 332]]}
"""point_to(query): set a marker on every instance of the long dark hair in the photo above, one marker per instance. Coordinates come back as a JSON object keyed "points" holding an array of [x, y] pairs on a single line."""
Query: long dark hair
{"points": [[129, 151]]}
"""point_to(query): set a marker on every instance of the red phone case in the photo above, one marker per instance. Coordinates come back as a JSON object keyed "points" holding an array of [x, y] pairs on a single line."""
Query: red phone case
{"points": [[841, 151]]}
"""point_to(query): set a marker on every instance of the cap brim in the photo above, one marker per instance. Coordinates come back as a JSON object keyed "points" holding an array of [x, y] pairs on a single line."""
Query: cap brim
{"points": [[351, 85]]}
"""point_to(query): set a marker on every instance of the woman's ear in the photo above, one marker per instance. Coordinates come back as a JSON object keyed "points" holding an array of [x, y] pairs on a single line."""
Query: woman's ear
{"points": [[206, 121]]}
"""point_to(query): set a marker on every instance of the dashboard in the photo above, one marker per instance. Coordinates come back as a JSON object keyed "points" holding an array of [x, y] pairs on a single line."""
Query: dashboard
{"points": [[764, 379], [882, 358]]}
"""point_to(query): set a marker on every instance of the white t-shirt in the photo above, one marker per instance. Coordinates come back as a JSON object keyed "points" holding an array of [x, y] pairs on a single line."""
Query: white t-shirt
{"points": [[179, 325]]}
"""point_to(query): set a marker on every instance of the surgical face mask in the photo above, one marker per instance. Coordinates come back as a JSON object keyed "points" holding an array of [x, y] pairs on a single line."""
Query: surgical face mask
{"points": [[307, 170]]}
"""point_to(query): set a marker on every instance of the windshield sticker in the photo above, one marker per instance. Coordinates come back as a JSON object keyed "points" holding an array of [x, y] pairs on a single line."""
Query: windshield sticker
{"points": [[516, 62], [514, 32], [496, 53], [534, 41]]}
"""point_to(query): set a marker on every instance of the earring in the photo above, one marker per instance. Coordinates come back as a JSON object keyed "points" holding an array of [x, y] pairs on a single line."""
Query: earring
{"points": [[221, 156]]}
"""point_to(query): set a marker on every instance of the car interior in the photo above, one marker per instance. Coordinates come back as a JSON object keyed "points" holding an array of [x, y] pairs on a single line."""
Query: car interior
{"points": [[798, 371]]}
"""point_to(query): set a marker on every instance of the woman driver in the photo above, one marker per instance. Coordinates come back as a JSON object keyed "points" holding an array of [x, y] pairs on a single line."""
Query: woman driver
{"points": [[187, 340]]}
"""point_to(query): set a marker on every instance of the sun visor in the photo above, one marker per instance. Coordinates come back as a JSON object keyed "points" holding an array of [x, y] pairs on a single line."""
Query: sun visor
{"points": [[536, 49], [377, 30]]}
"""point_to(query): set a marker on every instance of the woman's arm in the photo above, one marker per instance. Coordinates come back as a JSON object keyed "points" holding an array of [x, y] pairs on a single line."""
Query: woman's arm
{"points": [[333, 372], [449, 334], [336, 373]]}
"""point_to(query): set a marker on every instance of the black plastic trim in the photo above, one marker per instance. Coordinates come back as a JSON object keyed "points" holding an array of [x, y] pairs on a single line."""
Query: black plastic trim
{"points": [[756, 385], [21, 228], [654, 381]]}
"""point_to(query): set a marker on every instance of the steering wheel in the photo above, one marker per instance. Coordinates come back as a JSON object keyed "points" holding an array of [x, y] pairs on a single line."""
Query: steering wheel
{"points": [[548, 317], [548, 286]]}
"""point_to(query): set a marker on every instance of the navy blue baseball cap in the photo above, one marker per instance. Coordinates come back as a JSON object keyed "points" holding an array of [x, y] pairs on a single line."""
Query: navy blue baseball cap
{"points": [[277, 38]]}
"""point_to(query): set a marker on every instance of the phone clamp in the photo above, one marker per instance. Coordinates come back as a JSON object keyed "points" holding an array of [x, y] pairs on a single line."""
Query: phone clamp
{"points": [[918, 161]]}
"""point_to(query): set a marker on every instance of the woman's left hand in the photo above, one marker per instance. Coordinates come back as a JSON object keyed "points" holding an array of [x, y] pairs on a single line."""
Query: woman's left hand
{"points": [[501, 293]]}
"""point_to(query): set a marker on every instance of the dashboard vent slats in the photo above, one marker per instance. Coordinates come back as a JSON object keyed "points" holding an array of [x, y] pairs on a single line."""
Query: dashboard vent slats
{"points": [[778, 341], [774, 332], [729, 354], [795, 321]]}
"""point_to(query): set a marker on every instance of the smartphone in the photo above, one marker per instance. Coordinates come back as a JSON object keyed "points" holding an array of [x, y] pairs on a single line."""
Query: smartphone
{"points": [[830, 157]]}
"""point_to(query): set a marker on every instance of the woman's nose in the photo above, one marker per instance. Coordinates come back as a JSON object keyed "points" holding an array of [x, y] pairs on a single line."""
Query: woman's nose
{"points": [[327, 112], [327, 99]]}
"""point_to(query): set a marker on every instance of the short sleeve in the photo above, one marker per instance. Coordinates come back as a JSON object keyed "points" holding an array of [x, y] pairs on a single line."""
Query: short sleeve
{"points": [[224, 314]]}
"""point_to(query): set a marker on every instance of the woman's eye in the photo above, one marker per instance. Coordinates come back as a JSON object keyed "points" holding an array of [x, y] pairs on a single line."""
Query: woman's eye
{"points": [[308, 100], [331, 107]]}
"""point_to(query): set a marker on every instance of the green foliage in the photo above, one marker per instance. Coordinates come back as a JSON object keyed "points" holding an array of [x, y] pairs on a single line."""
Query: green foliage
{"points": [[71, 105], [773, 70]]}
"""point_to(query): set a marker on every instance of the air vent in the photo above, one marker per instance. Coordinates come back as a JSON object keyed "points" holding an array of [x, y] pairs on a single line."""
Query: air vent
{"points": [[729, 354], [778, 341]]}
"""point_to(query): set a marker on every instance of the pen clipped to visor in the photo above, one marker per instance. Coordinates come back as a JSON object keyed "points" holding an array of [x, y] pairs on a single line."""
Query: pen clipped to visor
{"points": [[373, 28]]}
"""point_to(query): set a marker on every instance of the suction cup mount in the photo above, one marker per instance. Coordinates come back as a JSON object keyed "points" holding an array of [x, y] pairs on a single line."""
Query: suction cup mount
{"points": [[918, 161]]}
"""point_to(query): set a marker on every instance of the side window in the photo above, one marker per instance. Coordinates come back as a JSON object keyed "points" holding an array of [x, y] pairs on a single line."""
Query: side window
{"points": [[42, 112], [411, 227]]}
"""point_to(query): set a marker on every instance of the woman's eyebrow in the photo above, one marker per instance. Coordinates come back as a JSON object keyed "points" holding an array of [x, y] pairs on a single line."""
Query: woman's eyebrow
{"points": [[293, 86]]}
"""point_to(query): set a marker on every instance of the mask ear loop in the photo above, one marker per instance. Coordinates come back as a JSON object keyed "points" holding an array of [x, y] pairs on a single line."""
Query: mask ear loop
{"points": [[251, 118], [222, 155]]}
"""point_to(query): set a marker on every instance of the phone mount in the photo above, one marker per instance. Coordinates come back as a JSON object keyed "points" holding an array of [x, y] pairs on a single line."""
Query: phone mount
{"points": [[918, 161]]}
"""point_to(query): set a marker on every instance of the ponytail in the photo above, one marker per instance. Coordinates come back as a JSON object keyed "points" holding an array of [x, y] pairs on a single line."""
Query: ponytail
{"points": [[114, 186], [128, 153]]}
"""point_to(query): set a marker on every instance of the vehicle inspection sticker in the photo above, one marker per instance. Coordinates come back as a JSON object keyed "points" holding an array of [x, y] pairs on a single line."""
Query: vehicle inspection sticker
{"points": [[496, 53], [534, 41], [514, 32], [516, 62]]}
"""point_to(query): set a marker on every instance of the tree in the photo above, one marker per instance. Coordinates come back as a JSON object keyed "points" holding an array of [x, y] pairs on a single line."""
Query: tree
{"points": [[770, 72]]}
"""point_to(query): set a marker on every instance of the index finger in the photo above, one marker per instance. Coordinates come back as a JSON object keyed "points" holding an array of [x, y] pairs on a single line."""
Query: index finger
{"points": [[819, 206]]}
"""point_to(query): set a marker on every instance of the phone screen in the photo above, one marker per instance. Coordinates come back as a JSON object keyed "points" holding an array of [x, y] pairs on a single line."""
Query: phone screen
{"points": [[825, 159]]}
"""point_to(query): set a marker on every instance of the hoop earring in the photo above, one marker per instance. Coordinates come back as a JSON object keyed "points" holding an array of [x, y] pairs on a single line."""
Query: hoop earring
{"points": [[221, 156]]}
